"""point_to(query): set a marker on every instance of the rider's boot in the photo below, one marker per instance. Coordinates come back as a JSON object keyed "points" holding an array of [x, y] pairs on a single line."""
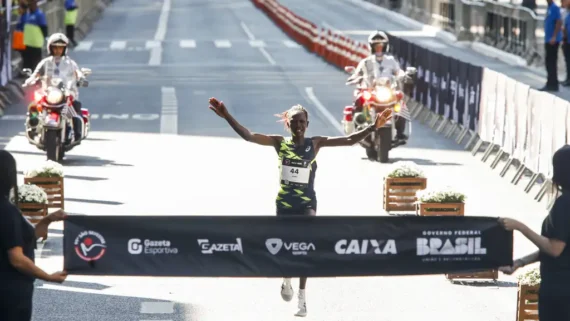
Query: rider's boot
{"points": [[400, 129], [78, 121]]}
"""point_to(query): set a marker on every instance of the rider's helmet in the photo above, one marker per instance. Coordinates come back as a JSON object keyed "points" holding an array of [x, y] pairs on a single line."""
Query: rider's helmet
{"points": [[57, 40], [378, 37]]}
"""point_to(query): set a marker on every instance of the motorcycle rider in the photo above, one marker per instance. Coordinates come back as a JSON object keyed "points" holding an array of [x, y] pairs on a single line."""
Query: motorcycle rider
{"points": [[58, 64], [379, 64]]}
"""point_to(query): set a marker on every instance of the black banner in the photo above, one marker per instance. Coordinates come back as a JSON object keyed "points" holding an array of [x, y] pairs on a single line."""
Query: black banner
{"points": [[269, 246]]}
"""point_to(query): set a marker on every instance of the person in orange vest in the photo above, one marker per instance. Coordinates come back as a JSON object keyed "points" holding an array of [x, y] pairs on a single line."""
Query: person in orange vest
{"points": [[35, 33], [18, 35]]}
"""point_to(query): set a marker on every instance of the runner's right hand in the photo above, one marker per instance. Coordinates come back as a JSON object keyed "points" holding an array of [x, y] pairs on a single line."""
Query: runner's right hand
{"points": [[218, 107]]}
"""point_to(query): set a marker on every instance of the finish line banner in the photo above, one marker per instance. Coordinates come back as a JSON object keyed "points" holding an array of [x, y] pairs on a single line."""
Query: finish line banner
{"points": [[270, 246]]}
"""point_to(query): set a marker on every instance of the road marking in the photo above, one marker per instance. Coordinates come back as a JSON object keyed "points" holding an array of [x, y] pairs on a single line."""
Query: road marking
{"points": [[155, 57], [187, 43], [157, 307], [118, 45], [257, 43], [141, 117], [268, 56], [162, 21], [150, 44], [291, 44], [169, 111], [84, 46], [247, 31], [222, 43], [311, 95]]}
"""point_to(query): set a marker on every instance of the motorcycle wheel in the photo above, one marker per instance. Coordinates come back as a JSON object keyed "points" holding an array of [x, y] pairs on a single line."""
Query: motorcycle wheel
{"points": [[53, 146], [384, 137]]}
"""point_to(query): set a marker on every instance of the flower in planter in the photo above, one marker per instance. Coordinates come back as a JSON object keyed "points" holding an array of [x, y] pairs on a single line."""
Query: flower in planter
{"points": [[47, 169], [31, 194], [442, 195], [405, 169], [530, 277]]}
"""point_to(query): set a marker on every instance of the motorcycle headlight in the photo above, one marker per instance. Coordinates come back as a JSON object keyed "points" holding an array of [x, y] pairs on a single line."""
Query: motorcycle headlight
{"points": [[54, 96], [383, 94]]}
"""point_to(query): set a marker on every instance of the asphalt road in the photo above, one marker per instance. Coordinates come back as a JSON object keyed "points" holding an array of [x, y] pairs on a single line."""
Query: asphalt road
{"points": [[157, 149]]}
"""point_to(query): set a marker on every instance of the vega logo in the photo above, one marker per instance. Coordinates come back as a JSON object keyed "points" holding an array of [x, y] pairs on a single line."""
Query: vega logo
{"points": [[274, 246]]}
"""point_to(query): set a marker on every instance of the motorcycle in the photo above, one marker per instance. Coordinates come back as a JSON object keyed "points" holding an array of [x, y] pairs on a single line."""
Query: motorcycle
{"points": [[368, 102], [49, 121]]}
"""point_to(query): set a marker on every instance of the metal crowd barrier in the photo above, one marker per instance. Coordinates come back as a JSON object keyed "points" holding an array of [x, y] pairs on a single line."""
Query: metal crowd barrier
{"points": [[505, 26]]}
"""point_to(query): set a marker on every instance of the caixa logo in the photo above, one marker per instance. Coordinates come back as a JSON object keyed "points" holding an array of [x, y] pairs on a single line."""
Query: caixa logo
{"points": [[274, 246], [366, 247], [460, 246], [90, 246]]}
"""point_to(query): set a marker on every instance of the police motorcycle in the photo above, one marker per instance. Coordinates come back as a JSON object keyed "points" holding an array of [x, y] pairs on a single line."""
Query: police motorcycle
{"points": [[49, 121], [385, 92]]}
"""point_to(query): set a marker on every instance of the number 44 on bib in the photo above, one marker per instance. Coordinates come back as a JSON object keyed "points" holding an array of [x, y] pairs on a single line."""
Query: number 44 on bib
{"points": [[295, 172]]}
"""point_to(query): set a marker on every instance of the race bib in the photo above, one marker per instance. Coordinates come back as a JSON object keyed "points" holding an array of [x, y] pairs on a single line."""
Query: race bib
{"points": [[295, 172]]}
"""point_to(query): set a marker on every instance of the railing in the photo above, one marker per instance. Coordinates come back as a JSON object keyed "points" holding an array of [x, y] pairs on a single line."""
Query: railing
{"points": [[505, 26]]}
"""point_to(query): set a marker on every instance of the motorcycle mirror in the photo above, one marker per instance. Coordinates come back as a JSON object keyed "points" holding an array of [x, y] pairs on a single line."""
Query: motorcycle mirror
{"points": [[349, 69], [27, 71], [86, 71]]}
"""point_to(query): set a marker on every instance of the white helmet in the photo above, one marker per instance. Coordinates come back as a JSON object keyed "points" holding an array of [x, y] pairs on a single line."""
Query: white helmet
{"points": [[59, 40]]}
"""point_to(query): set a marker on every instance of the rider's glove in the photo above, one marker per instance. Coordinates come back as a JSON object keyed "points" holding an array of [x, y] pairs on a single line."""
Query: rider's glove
{"points": [[83, 82], [408, 80]]}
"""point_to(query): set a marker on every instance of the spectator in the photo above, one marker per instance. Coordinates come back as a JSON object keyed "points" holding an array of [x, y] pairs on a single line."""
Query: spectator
{"points": [[552, 39], [70, 20], [35, 32], [17, 243], [531, 4], [566, 42], [553, 250], [18, 35]]}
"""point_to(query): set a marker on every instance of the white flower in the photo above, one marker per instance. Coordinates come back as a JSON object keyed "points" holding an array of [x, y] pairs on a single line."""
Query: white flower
{"points": [[440, 195], [405, 169], [531, 277], [47, 169], [30, 193]]}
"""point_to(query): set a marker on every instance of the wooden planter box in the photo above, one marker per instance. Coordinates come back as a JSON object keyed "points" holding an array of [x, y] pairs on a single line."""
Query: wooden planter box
{"points": [[400, 193], [527, 302], [491, 274], [440, 209], [53, 186], [33, 212]]}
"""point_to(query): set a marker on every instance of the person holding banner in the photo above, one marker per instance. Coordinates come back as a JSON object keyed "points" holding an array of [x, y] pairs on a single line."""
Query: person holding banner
{"points": [[298, 166], [553, 250], [17, 243]]}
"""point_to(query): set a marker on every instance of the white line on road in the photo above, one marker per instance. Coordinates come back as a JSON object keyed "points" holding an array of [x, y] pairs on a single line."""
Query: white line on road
{"points": [[155, 57], [328, 26], [150, 44], [257, 43], [187, 43], [162, 21], [268, 56], [118, 45], [84, 46], [169, 111], [247, 31], [222, 43], [290, 44], [311, 95], [157, 307]]}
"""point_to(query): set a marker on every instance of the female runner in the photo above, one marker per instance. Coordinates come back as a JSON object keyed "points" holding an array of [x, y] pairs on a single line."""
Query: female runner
{"points": [[297, 156]]}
